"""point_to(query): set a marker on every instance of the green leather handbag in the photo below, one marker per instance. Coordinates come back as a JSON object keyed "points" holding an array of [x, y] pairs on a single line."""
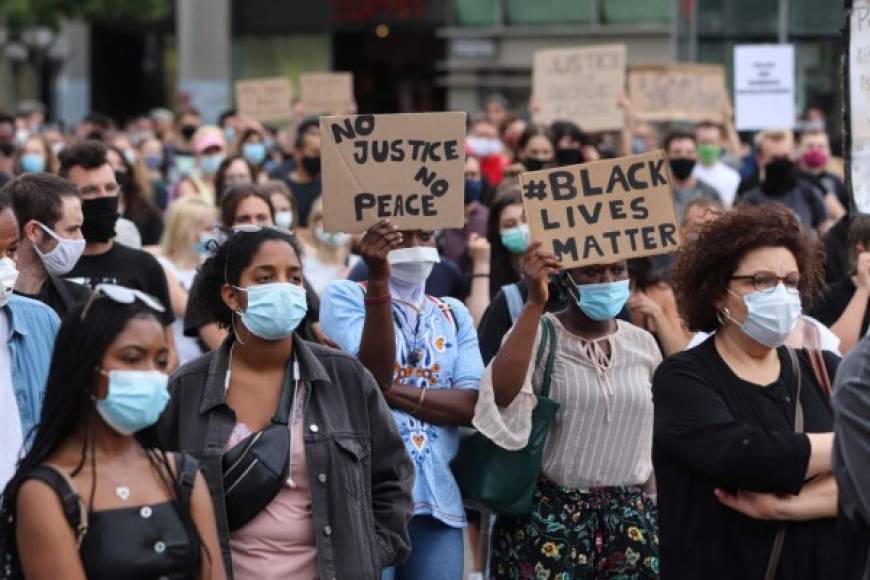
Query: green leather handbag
{"points": [[502, 481]]}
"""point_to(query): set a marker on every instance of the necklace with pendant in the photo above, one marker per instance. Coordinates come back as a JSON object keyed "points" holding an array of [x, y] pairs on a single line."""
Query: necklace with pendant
{"points": [[121, 490]]}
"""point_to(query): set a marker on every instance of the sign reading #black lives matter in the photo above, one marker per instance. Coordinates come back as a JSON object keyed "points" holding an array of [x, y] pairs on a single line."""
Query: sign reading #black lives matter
{"points": [[408, 168], [602, 212]]}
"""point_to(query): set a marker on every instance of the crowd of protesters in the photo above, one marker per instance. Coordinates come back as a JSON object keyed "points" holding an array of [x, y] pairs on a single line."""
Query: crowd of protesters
{"points": [[197, 380]]}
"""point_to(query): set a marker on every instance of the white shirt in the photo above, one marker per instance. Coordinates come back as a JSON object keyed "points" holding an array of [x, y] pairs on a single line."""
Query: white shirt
{"points": [[187, 347], [11, 435], [721, 178], [603, 431]]}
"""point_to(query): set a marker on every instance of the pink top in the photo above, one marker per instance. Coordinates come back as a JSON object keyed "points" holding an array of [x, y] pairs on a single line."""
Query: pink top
{"points": [[279, 541]]}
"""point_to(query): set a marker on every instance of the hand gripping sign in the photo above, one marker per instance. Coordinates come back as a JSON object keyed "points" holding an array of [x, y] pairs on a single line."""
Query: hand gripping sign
{"points": [[409, 168], [602, 212]]}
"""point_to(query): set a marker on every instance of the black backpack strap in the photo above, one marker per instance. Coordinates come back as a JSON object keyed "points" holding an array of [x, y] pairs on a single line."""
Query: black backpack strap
{"points": [[73, 506], [187, 467], [68, 301]]}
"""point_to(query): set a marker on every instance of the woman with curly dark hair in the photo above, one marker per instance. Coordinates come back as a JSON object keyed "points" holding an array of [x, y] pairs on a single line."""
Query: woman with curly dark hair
{"points": [[743, 426]]}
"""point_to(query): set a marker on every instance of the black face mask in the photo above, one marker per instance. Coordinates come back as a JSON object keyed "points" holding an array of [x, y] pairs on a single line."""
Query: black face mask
{"points": [[682, 167], [568, 157], [7, 149], [780, 176], [123, 179], [311, 164], [187, 131], [532, 164], [100, 215]]}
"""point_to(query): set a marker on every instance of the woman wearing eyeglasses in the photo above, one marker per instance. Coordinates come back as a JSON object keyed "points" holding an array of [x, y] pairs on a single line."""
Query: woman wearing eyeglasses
{"points": [[308, 474], [89, 500], [742, 433]]}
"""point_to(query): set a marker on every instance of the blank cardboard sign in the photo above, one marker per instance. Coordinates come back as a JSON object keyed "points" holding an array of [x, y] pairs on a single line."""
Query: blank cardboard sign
{"points": [[409, 168], [678, 92], [266, 99], [327, 92], [581, 85], [602, 212]]}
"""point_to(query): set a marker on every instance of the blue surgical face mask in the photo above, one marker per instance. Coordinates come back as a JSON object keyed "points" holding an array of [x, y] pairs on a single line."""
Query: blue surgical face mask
{"points": [[515, 239], [274, 310], [229, 134], [209, 164], [185, 164], [135, 400], [771, 316], [254, 153], [32, 162], [601, 301]]}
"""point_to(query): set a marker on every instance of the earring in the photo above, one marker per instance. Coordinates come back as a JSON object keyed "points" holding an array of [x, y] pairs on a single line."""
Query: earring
{"points": [[236, 332]]}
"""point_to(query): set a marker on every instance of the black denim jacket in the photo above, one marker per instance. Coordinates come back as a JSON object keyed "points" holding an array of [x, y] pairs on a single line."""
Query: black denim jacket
{"points": [[360, 476]]}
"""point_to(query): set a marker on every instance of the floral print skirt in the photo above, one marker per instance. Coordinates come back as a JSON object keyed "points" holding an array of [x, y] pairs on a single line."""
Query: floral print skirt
{"points": [[579, 534]]}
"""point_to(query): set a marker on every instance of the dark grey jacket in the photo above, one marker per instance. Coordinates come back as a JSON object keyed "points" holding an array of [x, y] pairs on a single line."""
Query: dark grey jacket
{"points": [[360, 475], [851, 456]]}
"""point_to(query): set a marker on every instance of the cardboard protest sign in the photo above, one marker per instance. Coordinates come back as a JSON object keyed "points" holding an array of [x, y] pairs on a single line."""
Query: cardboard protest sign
{"points": [[327, 92], [764, 86], [678, 92], [858, 105], [581, 85], [602, 212], [409, 168], [267, 99]]}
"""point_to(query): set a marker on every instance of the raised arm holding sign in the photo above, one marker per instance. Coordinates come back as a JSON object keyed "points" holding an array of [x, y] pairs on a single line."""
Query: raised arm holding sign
{"points": [[604, 211], [409, 168]]}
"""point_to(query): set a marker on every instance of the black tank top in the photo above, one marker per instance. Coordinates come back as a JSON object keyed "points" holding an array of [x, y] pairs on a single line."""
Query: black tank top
{"points": [[145, 542]]}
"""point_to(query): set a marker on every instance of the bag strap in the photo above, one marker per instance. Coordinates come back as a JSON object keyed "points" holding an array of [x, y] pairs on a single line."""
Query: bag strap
{"points": [[514, 300], [779, 539], [187, 468], [65, 296], [288, 393], [820, 370], [73, 506], [548, 336]]}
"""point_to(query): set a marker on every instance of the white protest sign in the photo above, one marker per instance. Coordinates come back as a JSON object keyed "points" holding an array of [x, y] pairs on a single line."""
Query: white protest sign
{"points": [[859, 104], [764, 86], [582, 85], [408, 168]]}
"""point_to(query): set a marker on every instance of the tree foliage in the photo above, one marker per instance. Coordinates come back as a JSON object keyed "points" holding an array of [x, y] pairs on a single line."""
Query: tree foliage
{"points": [[20, 14]]}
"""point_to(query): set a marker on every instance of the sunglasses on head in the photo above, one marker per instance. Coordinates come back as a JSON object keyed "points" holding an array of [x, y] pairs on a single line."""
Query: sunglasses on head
{"points": [[121, 295]]}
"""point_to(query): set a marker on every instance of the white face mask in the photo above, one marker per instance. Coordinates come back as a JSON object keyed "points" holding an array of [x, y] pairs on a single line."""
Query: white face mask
{"points": [[8, 277], [413, 265], [284, 219], [331, 239], [770, 316], [64, 256]]}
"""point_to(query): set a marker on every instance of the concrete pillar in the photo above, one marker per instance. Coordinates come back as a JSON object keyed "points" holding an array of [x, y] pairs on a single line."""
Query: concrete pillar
{"points": [[72, 84], [203, 38]]}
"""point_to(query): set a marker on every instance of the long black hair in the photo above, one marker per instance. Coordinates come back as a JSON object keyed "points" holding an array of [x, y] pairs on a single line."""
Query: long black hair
{"points": [[226, 266], [501, 268], [78, 352]]}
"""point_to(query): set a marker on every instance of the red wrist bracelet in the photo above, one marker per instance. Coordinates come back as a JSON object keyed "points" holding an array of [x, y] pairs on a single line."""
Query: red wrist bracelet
{"points": [[375, 300]]}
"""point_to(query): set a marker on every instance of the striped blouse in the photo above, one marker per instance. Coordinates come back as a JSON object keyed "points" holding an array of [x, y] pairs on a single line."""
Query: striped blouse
{"points": [[602, 433]]}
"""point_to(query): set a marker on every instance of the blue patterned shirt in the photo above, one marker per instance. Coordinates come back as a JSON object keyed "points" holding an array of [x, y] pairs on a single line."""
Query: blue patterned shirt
{"points": [[439, 353]]}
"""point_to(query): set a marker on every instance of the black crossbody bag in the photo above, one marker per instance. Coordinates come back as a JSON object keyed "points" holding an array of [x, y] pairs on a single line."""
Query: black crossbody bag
{"points": [[255, 470]]}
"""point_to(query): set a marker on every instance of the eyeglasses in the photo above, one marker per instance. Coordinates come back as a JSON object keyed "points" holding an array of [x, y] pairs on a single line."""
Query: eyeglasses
{"points": [[767, 281], [121, 295]]}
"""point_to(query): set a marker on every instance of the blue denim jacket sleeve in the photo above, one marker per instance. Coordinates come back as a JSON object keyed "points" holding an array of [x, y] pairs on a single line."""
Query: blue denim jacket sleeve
{"points": [[342, 314], [468, 368], [33, 327]]}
